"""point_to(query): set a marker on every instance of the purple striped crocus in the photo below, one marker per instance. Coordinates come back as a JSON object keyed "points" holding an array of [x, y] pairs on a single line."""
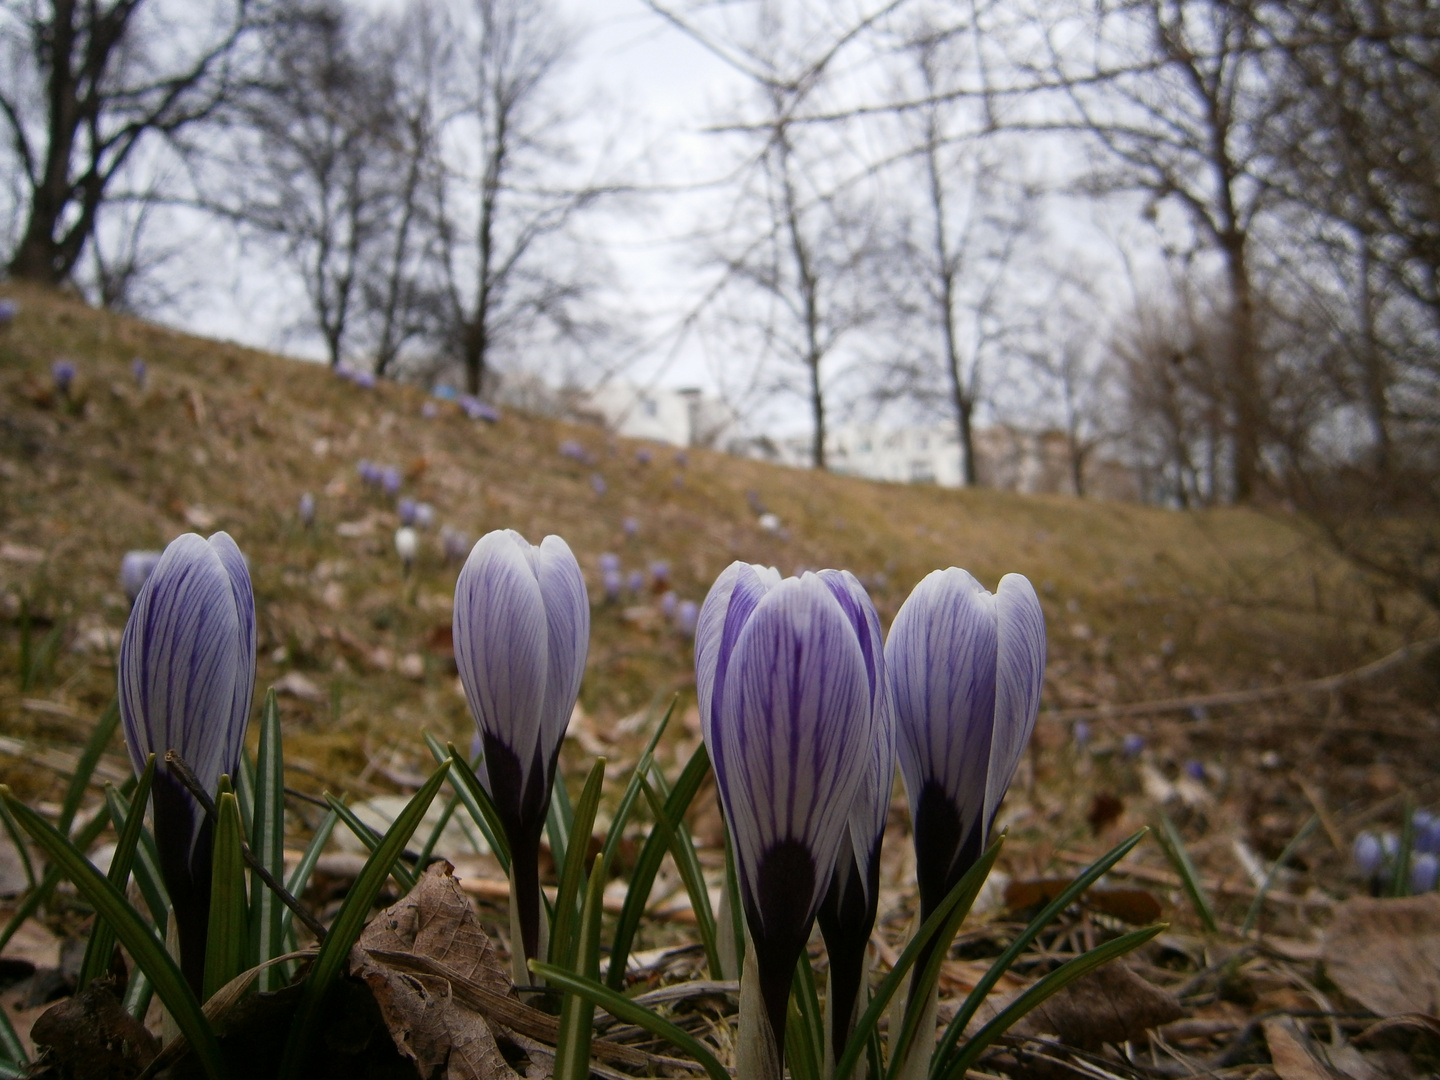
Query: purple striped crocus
{"points": [[187, 676], [786, 707], [522, 630], [847, 914], [966, 668]]}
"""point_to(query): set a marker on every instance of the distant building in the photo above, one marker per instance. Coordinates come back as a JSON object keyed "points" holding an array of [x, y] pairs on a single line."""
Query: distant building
{"points": [[681, 417], [1006, 458]]}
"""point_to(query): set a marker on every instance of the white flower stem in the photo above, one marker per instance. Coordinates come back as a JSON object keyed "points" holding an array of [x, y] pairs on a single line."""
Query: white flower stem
{"points": [[758, 1055]]}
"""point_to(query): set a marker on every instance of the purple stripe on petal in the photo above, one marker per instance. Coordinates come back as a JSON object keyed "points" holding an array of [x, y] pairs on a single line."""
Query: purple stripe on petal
{"points": [[234, 563], [567, 614]]}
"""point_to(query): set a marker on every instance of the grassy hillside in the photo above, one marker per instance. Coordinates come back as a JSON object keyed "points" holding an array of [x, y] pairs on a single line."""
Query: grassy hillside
{"points": [[1142, 603]]}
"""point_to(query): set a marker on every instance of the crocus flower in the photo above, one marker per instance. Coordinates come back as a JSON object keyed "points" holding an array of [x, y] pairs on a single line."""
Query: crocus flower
{"points": [[636, 582], [140, 372], [363, 379], [785, 709], [521, 631], [1195, 770], [966, 668], [186, 675], [687, 615], [571, 449], [8, 310], [476, 409], [1368, 855], [135, 569], [390, 479], [631, 527], [424, 515], [407, 546], [668, 601], [63, 372], [847, 915], [1424, 872], [307, 509], [429, 410], [405, 508], [613, 584], [597, 484], [608, 562], [660, 573], [1081, 734], [1132, 745], [454, 543]]}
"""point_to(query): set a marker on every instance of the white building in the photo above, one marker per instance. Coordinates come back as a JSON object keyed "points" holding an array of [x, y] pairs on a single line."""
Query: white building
{"points": [[681, 417]]}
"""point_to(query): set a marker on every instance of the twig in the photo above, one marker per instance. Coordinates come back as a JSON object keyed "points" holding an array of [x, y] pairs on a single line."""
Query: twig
{"points": [[1328, 684], [182, 773]]}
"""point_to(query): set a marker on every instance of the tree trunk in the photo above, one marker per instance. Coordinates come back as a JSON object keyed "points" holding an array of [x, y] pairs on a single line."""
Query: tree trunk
{"points": [[1243, 382]]}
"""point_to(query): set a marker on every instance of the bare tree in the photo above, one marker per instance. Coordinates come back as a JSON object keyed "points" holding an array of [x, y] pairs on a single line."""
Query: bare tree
{"points": [[84, 85], [505, 206]]}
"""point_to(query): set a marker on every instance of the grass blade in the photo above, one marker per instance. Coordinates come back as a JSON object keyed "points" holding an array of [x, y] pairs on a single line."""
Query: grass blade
{"points": [[267, 844], [344, 932], [577, 1015], [682, 850], [21, 848], [1053, 983], [632, 789], [99, 951], [53, 876], [427, 850], [559, 819], [148, 952], [572, 875], [474, 798], [85, 768], [371, 839], [643, 877], [11, 1049], [967, 886], [799, 1048], [146, 869], [1003, 962], [1256, 905], [1174, 849], [226, 945], [622, 1008], [806, 1021]]}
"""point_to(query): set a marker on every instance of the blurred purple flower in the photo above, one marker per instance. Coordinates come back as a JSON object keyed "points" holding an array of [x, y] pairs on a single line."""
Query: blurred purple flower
{"points": [[63, 372], [476, 409], [406, 509], [186, 678], [609, 561], [660, 572], [631, 527], [636, 582], [135, 569], [390, 479], [8, 310], [597, 482], [429, 410], [141, 373], [521, 632], [786, 709], [1424, 872], [307, 509], [344, 371], [454, 544], [966, 668], [643, 456], [668, 601], [363, 379], [687, 614], [424, 515], [1195, 770], [1368, 855], [682, 458], [1081, 734], [571, 449], [1132, 745], [613, 584]]}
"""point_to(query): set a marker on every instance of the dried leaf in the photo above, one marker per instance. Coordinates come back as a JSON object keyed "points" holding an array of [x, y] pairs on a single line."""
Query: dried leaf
{"points": [[427, 1023], [1110, 1005], [1385, 953], [1135, 906], [91, 1034], [1294, 1054]]}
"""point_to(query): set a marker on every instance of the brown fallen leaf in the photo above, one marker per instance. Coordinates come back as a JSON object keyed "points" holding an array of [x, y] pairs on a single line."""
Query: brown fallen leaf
{"points": [[440, 1034], [1293, 1053], [91, 1034], [1385, 953], [1110, 1005], [1138, 907]]}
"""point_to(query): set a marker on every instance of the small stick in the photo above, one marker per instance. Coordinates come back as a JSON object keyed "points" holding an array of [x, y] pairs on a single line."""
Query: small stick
{"points": [[182, 773]]}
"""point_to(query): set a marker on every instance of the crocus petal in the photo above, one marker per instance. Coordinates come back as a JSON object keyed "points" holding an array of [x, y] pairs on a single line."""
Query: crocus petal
{"points": [[1020, 677], [941, 660], [728, 606], [567, 616], [501, 643], [795, 705], [187, 658]]}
